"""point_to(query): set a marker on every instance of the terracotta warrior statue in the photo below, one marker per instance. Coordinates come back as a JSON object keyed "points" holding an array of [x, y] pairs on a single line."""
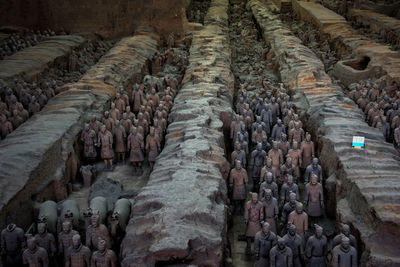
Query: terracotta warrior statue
{"points": [[95, 231], [239, 154], [152, 147], [295, 155], [120, 141], [46, 240], [316, 248], [12, 243], [281, 255], [264, 241], [288, 208], [253, 216], [237, 184], [295, 243], [78, 255], [35, 256], [271, 209], [277, 157], [345, 233], [314, 199], [103, 257], [269, 184], [257, 161], [307, 151], [105, 141], [314, 168], [287, 188], [299, 218], [65, 238], [89, 140], [344, 254], [136, 146]]}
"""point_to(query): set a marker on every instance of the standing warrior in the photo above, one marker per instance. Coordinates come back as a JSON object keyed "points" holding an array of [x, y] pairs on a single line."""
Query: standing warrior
{"points": [[257, 160], [344, 254], [152, 146], [103, 257], [12, 243], [253, 216], [264, 241], [307, 151], [105, 141], [316, 248], [136, 146], [314, 199], [65, 239], [271, 210], [78, 255], [88, 138], [35, 256], [237, 184], [120, 141]]}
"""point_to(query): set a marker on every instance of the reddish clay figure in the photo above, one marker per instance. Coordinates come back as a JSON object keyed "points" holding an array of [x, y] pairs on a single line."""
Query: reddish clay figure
{"points": [[287, 188], [65, 239], [264, 241], [281, 255], [89, 140], [103, 257], [284, 145], [307, 151], [237, 183], [108, 121], [239, 154], [136, 146], [313, 168], [137, 99], [120, 141], [278, 131], [114, 112], [126, 122], [35, 256], [130, 114], [152, 147], [253, 216], [316, 248], [235, 127], [314, 199], [295, 155], [269, 184], [296, 134], [105, 141], [257, 160], [78, 255], [299, 218], [46, 240], [12, 243], [344, 254], [271, 210], [95, 231], [295, 243], [142, 123], [277, 157]]}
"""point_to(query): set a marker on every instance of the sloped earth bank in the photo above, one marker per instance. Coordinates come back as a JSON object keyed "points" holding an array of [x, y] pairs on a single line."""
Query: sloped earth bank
{"points": [[38, 151], [180, 216], [362, 183]]}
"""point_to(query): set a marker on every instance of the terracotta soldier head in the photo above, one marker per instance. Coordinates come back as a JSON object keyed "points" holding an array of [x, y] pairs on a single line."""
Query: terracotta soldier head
{"points": [[291, 229], [95, 219], [76, 241], [345, 244], [266, 227], [254, 197], [267, 194], [238, 165], [299, 208], [269, 177], [289, 179], [103, 128], [66, 227], [292, 198], [318, 231], [315, 163], [314, 179]]}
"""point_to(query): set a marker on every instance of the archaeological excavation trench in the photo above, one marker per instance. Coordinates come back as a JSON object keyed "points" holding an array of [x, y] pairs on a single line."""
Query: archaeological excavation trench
{"points": [[227, 144]]}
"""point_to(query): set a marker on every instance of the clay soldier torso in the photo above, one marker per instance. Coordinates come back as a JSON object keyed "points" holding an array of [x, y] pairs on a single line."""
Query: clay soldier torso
{"points": [[257, 158], [344, 258], [239, 155], [48, 242], [12, 243], [286, 210], [317, 171], [265, 185], [254, 214], [314, 197], [263, 243], [65, 241], [106, 259], [284, 147], [296, 135], [127, 124], [79, 257], [135, 144], [270, 212], [287, 170], [301, 222], [120, 104], [295, 243], [277, 132], [338, 239], [109, 123], [137, 100], [93, 234], [115, 114], [281, 258], [95, 126], [106, 140], [286, 189], [89, 137], [235, 128], [267, 169], [153, 144], [295, 155], [316, 249], [239, 180], [307, 151], [277, 159], [38, 258], [120, 137]]}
